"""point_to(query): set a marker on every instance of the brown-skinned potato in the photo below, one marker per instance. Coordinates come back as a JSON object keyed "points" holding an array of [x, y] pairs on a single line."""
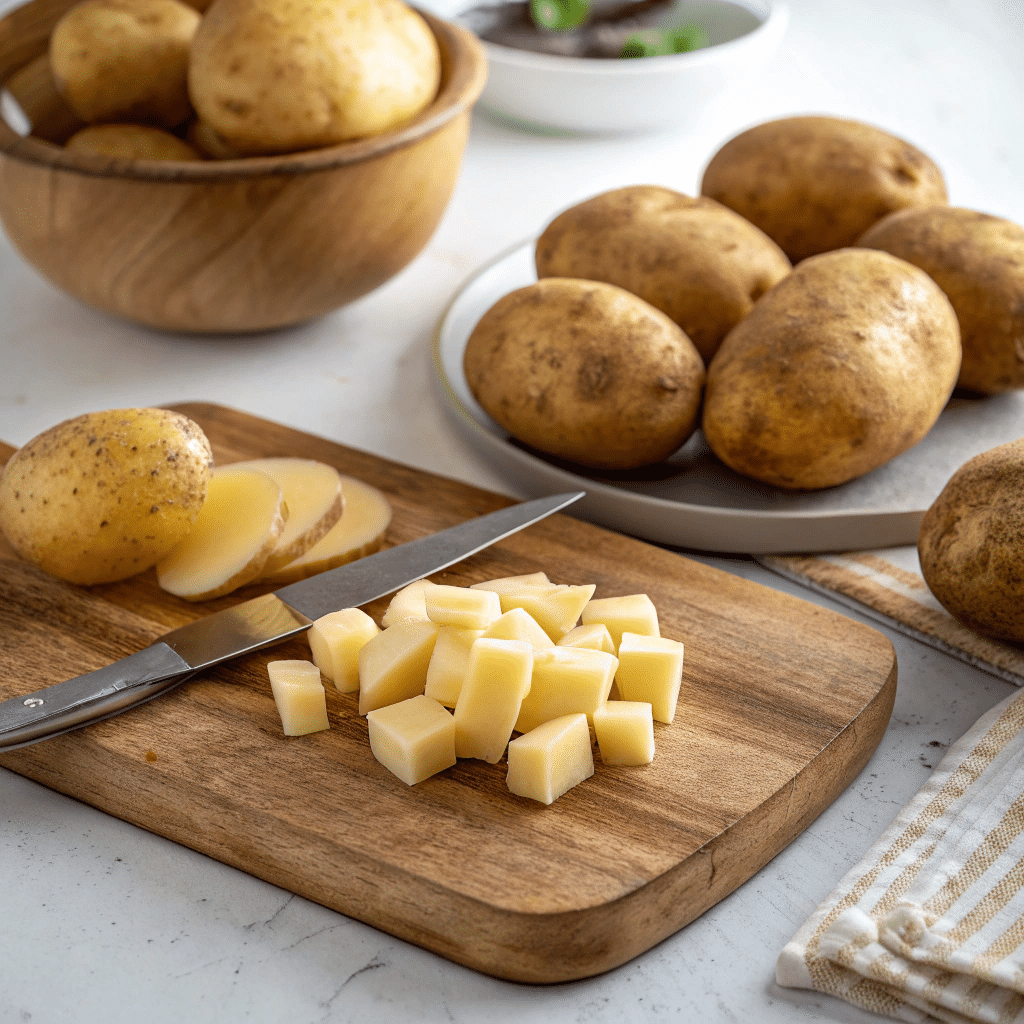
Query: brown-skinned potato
{"points": [[587, 372], [970, 546], [814, 184], [697, 261], [978, 261], [843, 365], [105, 495], [125, 60]]}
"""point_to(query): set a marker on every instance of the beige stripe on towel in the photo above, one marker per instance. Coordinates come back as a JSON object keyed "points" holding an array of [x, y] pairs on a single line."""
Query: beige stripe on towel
{"points": [[902, 600]]}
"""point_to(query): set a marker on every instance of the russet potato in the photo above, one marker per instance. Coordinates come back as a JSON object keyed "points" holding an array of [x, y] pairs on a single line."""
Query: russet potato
{"points": [[104, 496], [978, 261], [970, 547], [276, 76], [586, 371], [125, 60], [697, 261], [843, 365], [814, 184]]}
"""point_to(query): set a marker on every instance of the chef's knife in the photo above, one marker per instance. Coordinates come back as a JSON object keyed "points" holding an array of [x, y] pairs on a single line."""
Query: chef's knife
{"points": [[252, 625]]}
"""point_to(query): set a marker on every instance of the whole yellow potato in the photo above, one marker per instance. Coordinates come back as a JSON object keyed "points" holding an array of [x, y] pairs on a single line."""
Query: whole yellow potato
{"points": [[978, 261], [814, 184], [276, 76], [971, 543], [130, 142], [586, 371], [843, 365], [104, 496], [125, 60], [694, 259]]}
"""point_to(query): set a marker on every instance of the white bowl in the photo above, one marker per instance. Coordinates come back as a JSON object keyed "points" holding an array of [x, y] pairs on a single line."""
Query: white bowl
{"points": [[593, 95]]}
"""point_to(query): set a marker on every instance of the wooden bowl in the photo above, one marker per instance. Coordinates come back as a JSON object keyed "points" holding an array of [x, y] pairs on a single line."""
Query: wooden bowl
{"points": [[224, 245]]}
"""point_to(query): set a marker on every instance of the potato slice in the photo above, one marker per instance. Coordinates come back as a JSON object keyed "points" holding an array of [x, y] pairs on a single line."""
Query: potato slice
{"points": [[236, 530], [313, 494], [359, 532]]}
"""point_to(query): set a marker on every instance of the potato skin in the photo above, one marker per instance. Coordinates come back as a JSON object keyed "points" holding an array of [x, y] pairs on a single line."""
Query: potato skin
{"points": [[278, 76], [130, 142], [970, 543], [843, 365], [586, 371], [125, 60], [814, 184], [697, 261], [103, 496], [978, 261]]}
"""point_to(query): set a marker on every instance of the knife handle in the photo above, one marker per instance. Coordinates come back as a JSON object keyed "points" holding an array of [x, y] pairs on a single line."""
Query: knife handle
{"points": [[91, 697]]}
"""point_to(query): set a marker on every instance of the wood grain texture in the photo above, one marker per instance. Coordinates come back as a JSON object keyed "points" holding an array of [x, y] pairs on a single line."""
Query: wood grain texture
{"points": [[228, 245], [782, 704]]}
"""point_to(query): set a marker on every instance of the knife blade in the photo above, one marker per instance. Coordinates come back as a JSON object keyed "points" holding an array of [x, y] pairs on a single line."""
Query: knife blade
{"points": [[253, 625]]}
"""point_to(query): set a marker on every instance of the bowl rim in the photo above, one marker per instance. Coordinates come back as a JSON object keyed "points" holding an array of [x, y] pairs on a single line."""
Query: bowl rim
{"points": [[772, 26], [457, 94]]}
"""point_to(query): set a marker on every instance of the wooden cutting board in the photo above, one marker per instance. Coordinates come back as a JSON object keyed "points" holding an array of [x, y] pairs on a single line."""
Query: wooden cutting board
{"points": [[782, 704]]}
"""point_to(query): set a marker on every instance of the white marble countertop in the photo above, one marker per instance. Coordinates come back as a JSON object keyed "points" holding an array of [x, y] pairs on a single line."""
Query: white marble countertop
{"points": [[100, 921]]}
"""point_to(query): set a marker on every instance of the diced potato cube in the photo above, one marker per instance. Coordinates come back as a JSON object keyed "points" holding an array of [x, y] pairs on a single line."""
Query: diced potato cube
{"points": [[393, 664], [595, 635], [566, 680], [518, 624], [448, 664], [299, 695], [462, 607], [497, 680], [548, 761], [506, 583], [414, 738], [651, 670], [408, 605], [625, 732], [556, 607], [634, 613], [335, 641]]}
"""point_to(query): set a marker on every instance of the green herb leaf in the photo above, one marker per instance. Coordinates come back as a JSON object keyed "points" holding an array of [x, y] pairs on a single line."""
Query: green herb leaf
{"points": [[559, 14]]}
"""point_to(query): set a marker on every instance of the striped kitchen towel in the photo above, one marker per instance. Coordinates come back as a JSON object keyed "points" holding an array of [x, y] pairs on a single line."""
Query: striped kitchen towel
{"points": [[930, 924], [888, 586]]}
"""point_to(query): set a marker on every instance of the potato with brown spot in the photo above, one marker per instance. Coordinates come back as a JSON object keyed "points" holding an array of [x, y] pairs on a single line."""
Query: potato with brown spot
{"points": [[104, 496], [978, 261], [586, 371], [278, 76], [697, 261], [814, 184], [970, 543], [125, 60], [843, 365]]}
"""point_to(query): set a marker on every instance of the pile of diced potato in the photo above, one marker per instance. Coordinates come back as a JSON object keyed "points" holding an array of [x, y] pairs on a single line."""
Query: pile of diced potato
{"points": [[456, 671]]}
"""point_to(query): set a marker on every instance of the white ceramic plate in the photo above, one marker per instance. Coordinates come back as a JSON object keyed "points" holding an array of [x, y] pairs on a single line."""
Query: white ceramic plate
{"points": [[693, 500]]}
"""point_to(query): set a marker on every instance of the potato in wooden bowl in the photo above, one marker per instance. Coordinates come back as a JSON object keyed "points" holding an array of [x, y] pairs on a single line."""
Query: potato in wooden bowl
{"points": [[587, 372], [692, 258], [843, 365]]}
